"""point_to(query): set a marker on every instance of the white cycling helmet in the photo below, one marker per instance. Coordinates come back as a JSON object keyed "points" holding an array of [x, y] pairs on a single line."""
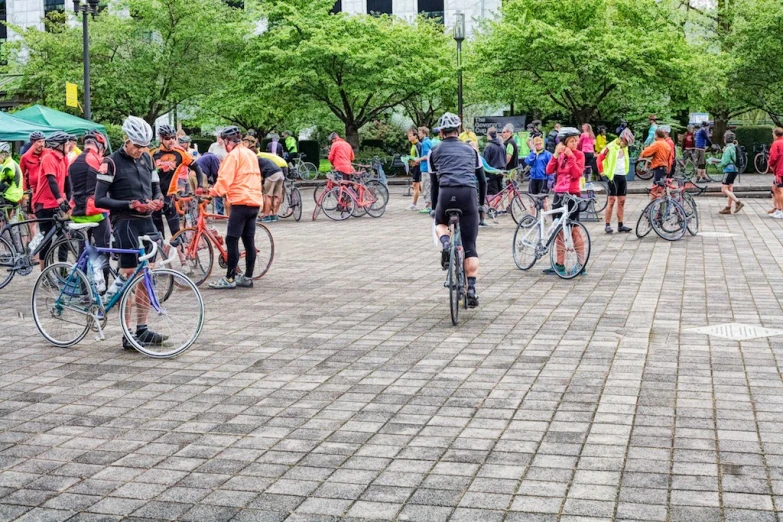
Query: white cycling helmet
{"points": [[5, 148], [449, 121], [137, 130]]}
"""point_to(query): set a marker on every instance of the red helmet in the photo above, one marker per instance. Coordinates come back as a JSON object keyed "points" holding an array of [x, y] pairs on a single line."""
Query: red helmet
{"points": [[97, 137]]}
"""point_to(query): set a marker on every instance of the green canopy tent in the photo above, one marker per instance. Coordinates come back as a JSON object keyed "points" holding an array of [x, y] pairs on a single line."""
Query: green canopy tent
{"points": [[58, 120], [15, 129]]}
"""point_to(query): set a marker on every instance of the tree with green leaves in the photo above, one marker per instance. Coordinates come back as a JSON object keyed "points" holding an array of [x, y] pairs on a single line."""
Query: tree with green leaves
{"points": [[356, 66], [147, 56], [578, 59]]}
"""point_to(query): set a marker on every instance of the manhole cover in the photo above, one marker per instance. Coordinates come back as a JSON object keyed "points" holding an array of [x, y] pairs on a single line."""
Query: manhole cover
{"points": [[736, 331], [716, 234]]}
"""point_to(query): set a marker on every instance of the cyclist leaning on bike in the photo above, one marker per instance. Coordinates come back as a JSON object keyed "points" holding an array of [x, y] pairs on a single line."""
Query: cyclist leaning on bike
{"points": [[456, 173], [10, 176], [128, 185]]}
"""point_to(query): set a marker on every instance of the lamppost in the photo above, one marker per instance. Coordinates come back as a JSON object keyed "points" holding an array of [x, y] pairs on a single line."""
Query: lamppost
{"points": [[459, 36], [89, 7]]}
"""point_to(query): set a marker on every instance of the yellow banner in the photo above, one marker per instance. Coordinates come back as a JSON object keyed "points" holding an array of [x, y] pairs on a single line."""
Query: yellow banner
{"points": [[71, 95]]}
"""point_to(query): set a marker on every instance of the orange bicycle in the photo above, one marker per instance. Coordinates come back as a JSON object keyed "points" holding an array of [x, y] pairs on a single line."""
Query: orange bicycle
{"points": [[197, 243]]}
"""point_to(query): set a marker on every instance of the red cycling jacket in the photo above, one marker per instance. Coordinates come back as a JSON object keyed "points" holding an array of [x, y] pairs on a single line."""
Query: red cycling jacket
{"points": [[53, 163]]}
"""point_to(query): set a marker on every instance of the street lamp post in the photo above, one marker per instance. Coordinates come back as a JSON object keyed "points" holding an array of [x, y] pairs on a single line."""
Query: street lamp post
{"points": [[459, 37], [89, 7]]}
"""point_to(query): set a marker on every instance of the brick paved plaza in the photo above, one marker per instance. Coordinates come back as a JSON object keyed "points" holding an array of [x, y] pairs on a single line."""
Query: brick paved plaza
{"points": [[338, 389]]}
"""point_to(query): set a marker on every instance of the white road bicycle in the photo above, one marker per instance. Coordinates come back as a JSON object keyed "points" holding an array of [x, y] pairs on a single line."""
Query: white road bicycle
{"points": [[567, 241]]}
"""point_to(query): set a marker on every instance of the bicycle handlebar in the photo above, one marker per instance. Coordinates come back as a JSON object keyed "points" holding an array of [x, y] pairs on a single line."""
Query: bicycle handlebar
{"points": [[153, 251]]}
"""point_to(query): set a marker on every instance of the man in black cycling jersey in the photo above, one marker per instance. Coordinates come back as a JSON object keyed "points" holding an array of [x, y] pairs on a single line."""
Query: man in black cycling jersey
{"points": [[455, 174], [129, 186]]}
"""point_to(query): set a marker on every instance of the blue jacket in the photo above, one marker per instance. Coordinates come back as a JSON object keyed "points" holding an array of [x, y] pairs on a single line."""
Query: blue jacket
{"points": [[538, 163], [702, 139]]}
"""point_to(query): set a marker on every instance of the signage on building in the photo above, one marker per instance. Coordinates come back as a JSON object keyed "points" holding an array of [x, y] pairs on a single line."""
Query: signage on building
{"points": [[482, 123], [71, 95]]}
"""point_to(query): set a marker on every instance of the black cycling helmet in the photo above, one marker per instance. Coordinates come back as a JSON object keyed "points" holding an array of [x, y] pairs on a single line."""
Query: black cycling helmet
{"points": [[57, 139], [165, 131], [96, 137], [37, 135], [567, 132], [231, 134], [184, 139]]}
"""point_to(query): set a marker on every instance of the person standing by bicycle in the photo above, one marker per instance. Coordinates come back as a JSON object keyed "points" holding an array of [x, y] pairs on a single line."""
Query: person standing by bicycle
{"points": [[670, 142], [568, 166], [495, 156], [30, 164], [688, 144], [341, 156], [239, 181], [537, 160], [728, 163], [615, 163], [10, 176], [209, 163], [129, 187], [274, 179], [776, 167], [456, 173], [701, 142], [173, 163], [660, 152]]}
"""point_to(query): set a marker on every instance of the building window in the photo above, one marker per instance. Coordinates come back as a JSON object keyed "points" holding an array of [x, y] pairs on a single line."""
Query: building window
{"points": [[236, 4], [431, 8], [338, 6], [54, 5], [3, 18], [378, 7]]}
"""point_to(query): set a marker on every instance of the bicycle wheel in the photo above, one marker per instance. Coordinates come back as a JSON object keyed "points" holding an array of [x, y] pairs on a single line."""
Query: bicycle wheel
{"points": [[179, 320], [382, 189], [337, 204], [689, 169], [308, 171], [61, 303], [760, 163], [691, 213], [643, 170], [694, 187], [453, 280], [265, 251], [527, 237], [714, 172], [643, 224], [198, 258], [286, 209], [522, 205], [296, 203], [317, 191], [7, 262], [381, 198], [600, 195], [64, 250], [668, 219], [572, 247]]}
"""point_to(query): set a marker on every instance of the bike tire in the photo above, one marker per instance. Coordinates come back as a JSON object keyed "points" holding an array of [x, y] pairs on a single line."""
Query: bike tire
{"points": [[181, 320], [668, 219], [286, 209], [522, 205], [714, 172], [643, 224], [381, 198], [64, 250], [574, 259], [7, 262], [601, 196], [308, 171], [760, 163], [200, 258], [296, 203], [337, 205], [453, 282], [380, 187], [643, 171], [265, 251], [317, 191], [524, 248], [61, 302], [691, 213]]}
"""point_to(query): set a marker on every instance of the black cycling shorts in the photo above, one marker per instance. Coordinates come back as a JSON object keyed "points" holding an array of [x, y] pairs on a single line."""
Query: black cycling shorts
{"points": [[660, 173], [45, 226], [127, 233], [465, 199], [573, 206], [537, 186], [415, 174], [618, 186], [728, 178]]}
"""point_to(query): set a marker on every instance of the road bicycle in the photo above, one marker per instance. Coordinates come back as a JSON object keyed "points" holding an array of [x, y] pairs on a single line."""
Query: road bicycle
{"points": [[66, 304], [666, 213], [196, 245], [16, 256], [761, 160], [595, 192], [456, 281], [510, 200], [291, 205], [567, 241], [364, 177], [302, 169], [350, 198]]}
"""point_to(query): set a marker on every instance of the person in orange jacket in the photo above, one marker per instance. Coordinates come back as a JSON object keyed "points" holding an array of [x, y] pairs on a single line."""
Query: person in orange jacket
{"points": [[660, 152], [239, 181]]}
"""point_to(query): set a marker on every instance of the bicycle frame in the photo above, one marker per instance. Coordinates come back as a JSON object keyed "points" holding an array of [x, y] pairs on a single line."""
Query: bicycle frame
{"points": [[47, 239], [541, 223]]}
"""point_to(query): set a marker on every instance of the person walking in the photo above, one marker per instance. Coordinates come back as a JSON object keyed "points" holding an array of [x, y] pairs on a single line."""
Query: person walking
{"points": [[414, 166], [701, 142], [424, 164], [776, 167], [728, 163], [239, 181], [615, 163]]}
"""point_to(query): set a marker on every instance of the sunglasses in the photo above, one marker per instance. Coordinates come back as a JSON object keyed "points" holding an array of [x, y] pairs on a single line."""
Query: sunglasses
{"points": [[138, 147], [167, 138]]}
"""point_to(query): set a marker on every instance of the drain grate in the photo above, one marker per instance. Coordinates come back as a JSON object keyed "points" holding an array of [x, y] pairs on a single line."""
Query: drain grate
{"points": [[716, 234], [736, 331]]}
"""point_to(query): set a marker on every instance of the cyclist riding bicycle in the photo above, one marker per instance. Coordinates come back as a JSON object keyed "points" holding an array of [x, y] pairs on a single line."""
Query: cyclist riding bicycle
{"points": [[10, 176], [455, 173], [173, 163], [128, 185]]}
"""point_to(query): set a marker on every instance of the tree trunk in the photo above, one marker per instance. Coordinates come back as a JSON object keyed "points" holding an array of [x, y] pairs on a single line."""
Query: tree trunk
{"points": [[352, 135], [583, 115], [721, 122]]}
